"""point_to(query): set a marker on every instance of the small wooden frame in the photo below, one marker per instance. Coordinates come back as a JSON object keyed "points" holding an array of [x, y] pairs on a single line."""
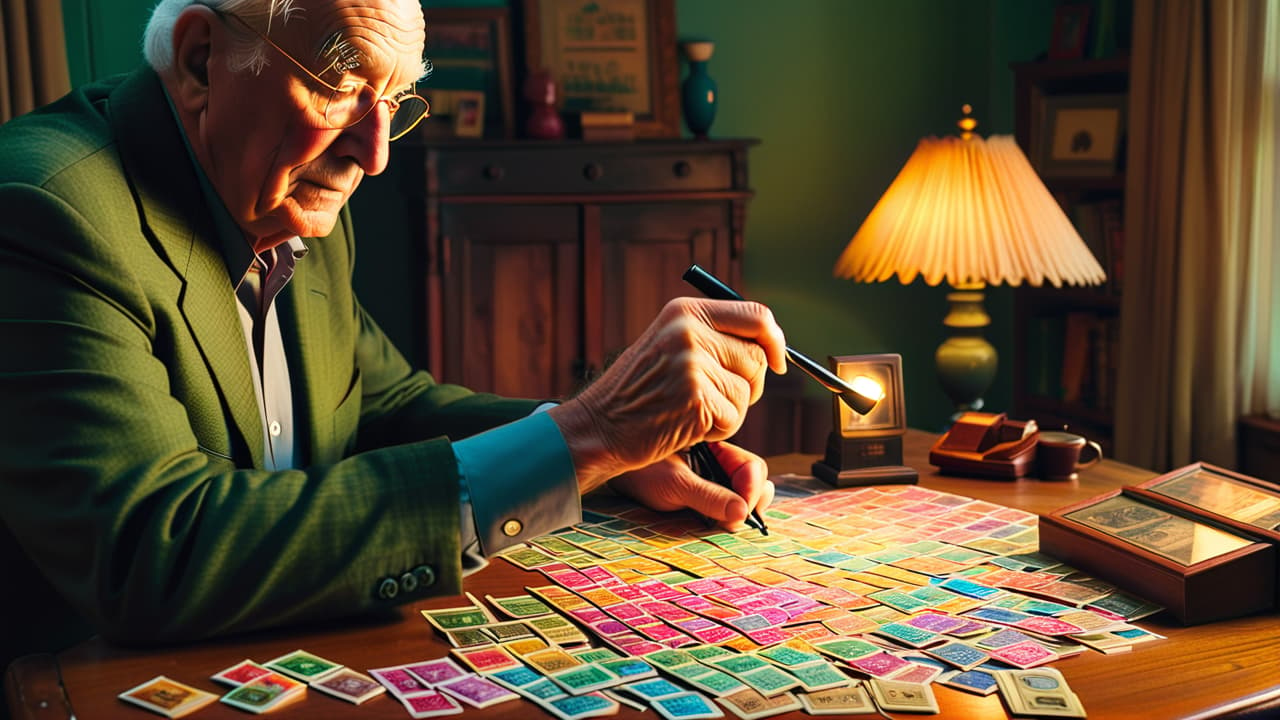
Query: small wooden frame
{"points": [[1082, 135], [470, 50], [609, 55], [1199, 569], [468, 113], [1245, 504], [1070, 31]]}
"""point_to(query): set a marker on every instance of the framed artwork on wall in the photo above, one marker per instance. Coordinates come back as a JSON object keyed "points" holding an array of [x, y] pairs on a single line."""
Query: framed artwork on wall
{"points": [[1082, 135], [609, 55], [470, 51]]}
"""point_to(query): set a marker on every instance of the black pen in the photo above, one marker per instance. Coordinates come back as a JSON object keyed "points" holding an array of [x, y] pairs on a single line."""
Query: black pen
{"points": [[705, 464]]}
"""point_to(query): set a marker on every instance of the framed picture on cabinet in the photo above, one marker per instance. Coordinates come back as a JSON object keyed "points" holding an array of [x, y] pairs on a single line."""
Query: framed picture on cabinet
{"points": [[468, 113], [1070, 31], [1082, 135], [470, 52], [609, 55]]}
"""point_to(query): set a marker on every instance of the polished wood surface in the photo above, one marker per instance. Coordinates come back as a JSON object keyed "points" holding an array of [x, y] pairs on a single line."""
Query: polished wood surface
{"points": [[541, 260], [1204, 671]]}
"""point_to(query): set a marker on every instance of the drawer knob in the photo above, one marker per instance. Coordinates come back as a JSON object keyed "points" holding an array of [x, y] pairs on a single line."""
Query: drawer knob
{"points": [[682, 169], [593, 171], [494, 172]]}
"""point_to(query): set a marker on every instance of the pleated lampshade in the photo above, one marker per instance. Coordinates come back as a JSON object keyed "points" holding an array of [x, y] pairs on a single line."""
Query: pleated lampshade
{"points": [[972, 212], [968, 210]]}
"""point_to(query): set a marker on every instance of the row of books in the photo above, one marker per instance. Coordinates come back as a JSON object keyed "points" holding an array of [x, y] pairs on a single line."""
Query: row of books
{"points": [[1072, 357], [1101, 226]]}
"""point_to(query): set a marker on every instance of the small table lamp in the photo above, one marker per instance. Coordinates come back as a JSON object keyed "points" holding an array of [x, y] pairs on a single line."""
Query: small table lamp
{"points": [[971, 211], [865, 447]]}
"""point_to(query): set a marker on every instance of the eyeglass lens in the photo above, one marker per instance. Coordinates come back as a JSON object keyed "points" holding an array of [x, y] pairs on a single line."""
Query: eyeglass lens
{"points": [[346, 108]]}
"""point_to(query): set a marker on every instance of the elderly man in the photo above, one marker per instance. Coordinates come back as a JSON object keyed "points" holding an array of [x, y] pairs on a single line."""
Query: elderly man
{"points": [[202, 431]]}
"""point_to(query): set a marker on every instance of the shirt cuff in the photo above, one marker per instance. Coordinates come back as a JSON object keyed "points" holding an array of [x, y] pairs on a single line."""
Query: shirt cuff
{"points": [[518, 483]]}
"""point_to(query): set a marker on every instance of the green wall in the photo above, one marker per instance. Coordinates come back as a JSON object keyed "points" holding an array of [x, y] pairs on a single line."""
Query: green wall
{"points": [[838, 91]]}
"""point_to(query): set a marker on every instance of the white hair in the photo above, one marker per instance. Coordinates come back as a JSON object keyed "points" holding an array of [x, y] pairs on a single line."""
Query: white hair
{"points": [[250, 52]]}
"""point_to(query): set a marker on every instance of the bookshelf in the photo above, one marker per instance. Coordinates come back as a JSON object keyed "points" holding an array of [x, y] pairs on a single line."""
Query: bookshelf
{"points": [[1066, 339]]}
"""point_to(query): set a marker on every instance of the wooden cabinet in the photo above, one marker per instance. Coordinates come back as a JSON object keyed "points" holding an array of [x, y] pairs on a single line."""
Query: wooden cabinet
{"points": [[1260, 447], [1066, 339], [542, 260]]}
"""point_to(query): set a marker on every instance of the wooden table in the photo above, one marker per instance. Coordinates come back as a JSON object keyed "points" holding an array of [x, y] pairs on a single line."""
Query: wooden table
{"points": [[1206, 671]]}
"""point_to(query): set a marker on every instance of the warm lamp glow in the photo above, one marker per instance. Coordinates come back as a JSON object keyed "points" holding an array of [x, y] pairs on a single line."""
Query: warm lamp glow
{"points": [[972, 212], [868, 387], [969, 210]]}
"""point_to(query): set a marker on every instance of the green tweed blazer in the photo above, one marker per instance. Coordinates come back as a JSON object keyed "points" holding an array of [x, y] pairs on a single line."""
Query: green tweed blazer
{"points": [[132, 499]]}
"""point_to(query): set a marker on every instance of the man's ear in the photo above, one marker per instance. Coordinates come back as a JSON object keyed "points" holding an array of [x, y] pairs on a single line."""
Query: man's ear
{"points": [[192, 53]]}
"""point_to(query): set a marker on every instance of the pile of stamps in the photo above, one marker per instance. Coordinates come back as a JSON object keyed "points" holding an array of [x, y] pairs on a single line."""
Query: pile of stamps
{"points": [[258, 688], [859, 601]]}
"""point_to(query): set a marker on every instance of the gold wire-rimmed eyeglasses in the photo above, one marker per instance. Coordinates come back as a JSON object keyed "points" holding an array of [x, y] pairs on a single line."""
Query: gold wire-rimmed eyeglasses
{"points": [[350, 103]]}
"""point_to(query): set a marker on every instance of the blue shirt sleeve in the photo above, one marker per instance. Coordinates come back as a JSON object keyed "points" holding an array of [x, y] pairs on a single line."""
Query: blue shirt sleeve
{"points": [[518, 482]]}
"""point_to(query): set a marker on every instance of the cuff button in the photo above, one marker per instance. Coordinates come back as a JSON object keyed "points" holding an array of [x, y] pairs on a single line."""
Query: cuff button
{"points": [[426, 576], [388, 589], [408, 582], [512, 528]]}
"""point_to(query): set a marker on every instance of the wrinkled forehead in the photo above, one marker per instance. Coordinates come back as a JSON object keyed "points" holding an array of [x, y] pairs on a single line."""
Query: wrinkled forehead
{"points": [[373, 39]]}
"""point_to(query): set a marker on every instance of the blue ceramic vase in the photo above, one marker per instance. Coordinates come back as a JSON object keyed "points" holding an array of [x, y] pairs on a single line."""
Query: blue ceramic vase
{"points": [[699, 92]]}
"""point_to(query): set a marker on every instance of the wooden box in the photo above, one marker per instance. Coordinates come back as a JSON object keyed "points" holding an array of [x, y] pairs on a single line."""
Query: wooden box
{"points": [[1245, 504], [1200, 569]]}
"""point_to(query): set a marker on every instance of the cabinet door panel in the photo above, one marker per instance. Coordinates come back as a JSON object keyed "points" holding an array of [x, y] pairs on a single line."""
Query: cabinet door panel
{"points": [[645, 249], [511, 298]]}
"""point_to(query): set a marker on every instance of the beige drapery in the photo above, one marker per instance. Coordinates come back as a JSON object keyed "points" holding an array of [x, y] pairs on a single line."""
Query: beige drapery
{"points": [[33, 55], [1200, 344]]}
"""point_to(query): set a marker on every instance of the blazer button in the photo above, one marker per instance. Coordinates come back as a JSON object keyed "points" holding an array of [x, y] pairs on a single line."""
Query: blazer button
{"points": [[408, 582], [426, 576], [388, 589], [512, 527]]}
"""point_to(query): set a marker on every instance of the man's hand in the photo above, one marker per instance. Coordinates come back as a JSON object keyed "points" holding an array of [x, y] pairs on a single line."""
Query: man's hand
{"points": [[671, 485], [688, 378]]}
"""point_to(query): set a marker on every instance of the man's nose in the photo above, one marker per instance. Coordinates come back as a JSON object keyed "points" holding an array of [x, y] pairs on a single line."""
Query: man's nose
{"points": [[368, 141]]}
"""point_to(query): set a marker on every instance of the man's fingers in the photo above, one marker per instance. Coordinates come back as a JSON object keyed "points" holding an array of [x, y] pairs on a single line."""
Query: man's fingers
{"points": [[727, 400], [743, 360], [749, 473], [752, 322]]}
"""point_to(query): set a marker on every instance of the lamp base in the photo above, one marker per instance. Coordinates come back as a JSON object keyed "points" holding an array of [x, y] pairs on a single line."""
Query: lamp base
{"points": [[880, 475], [966, 362]]}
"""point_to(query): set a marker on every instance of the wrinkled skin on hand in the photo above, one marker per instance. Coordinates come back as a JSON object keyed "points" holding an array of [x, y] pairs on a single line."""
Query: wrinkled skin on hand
{"points": [[690, 377], [670, 484]]}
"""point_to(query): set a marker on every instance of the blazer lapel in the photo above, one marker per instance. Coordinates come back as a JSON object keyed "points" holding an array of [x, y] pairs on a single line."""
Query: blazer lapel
{"points": [[303, 308], [169, 197]]}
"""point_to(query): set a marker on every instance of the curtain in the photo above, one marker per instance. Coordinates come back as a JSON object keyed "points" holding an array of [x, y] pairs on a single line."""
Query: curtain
{"points": [[33, 55], [1200, 345]]}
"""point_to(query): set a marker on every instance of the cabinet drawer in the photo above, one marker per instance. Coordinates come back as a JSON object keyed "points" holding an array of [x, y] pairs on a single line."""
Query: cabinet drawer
{"points": [[586, 169]]}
